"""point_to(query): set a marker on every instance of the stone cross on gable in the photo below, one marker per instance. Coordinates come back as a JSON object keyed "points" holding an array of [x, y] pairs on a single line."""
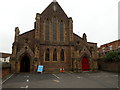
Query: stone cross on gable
{"points": [[54, 1]]}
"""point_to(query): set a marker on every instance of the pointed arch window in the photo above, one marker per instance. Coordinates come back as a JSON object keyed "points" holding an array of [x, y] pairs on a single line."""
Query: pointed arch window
{"points": [[47, 29], [61, 31], [62, 57], [55, 55], [54, 29], [47, 55]]}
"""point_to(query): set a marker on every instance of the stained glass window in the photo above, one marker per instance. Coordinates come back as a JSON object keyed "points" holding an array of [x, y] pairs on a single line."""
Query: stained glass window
{"points": [[54, 29], [61, 31], [47, 29]]}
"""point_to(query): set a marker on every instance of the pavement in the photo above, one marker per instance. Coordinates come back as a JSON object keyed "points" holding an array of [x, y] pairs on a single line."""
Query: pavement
{"points": [[63, 80]]}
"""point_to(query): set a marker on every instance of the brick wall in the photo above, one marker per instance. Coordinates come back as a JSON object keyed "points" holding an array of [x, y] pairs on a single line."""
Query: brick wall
{"points": [[6, 69], [107, 66]]}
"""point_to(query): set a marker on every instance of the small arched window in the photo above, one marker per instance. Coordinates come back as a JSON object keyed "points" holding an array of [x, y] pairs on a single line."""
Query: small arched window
{"points": [[55, 55], [54, 29], [61, 31], [62, 55], [47, 55], [47, 30]]}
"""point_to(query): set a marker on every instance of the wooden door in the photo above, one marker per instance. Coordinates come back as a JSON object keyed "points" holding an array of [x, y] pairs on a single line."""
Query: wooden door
{"points": [[85, 64]]}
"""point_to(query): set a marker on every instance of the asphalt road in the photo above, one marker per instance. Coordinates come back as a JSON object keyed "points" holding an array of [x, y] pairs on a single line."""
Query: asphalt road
{"points": [[63, 80]]}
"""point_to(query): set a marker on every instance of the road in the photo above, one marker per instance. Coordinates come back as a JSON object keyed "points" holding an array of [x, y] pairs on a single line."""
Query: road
{"points": [[63, 80]]}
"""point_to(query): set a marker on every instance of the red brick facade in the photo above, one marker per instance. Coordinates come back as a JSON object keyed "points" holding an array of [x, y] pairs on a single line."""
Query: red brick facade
{"points": [[112, 46]]}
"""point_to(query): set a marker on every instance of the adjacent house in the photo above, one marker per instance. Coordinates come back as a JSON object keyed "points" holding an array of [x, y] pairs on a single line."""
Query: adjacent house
{"points": [[5, 57], [111, 46]]}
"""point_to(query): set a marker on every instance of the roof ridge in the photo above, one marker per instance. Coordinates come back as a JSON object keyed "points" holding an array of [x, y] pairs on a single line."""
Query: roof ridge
{"points": [[27, 32]]}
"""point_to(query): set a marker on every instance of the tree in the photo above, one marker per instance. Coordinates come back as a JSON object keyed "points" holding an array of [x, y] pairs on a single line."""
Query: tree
{"points": [[112, 56]]}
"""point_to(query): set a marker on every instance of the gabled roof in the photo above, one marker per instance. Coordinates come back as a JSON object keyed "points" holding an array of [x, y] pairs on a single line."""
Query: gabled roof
{"points": [[91, 43], [111, 42], [27, 32], [77, 36], [5, 55], [50, 9]]}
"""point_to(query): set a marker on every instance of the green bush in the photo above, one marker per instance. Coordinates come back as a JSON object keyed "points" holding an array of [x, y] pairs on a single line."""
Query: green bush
{"points": [[113, 56]]}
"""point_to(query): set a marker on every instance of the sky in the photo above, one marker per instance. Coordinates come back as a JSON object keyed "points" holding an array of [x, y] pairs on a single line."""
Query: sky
{"points": [[97, 18]]}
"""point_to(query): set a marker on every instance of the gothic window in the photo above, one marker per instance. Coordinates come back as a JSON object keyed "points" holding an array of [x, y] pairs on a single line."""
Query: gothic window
{"points": [[54, 29], [62, 55], [47, 55], [61, 31], [47, 29], [55, 55], [110, 47]]}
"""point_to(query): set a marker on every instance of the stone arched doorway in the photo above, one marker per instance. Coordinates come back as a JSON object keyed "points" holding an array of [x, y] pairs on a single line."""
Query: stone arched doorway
{"points": [[85, 64], [25, 63]]}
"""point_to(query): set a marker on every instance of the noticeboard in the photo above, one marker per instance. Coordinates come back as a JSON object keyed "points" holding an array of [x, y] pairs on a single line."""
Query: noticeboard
{"points": [[40, 68]]}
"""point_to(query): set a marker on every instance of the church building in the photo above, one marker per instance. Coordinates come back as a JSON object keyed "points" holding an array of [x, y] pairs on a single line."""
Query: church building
{"points": [[53, 44]]}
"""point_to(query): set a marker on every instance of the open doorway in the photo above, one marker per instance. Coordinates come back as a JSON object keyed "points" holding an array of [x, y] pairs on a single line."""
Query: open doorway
{"points": [[25, 63]]}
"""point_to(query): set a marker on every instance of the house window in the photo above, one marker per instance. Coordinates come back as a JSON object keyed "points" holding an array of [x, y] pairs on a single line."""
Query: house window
{"points": [[47, 55], [54, 29], [62, 55], [47, 29], [110, 47], [61, 31], [55, 55], [118, 47], [103, 49]]}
